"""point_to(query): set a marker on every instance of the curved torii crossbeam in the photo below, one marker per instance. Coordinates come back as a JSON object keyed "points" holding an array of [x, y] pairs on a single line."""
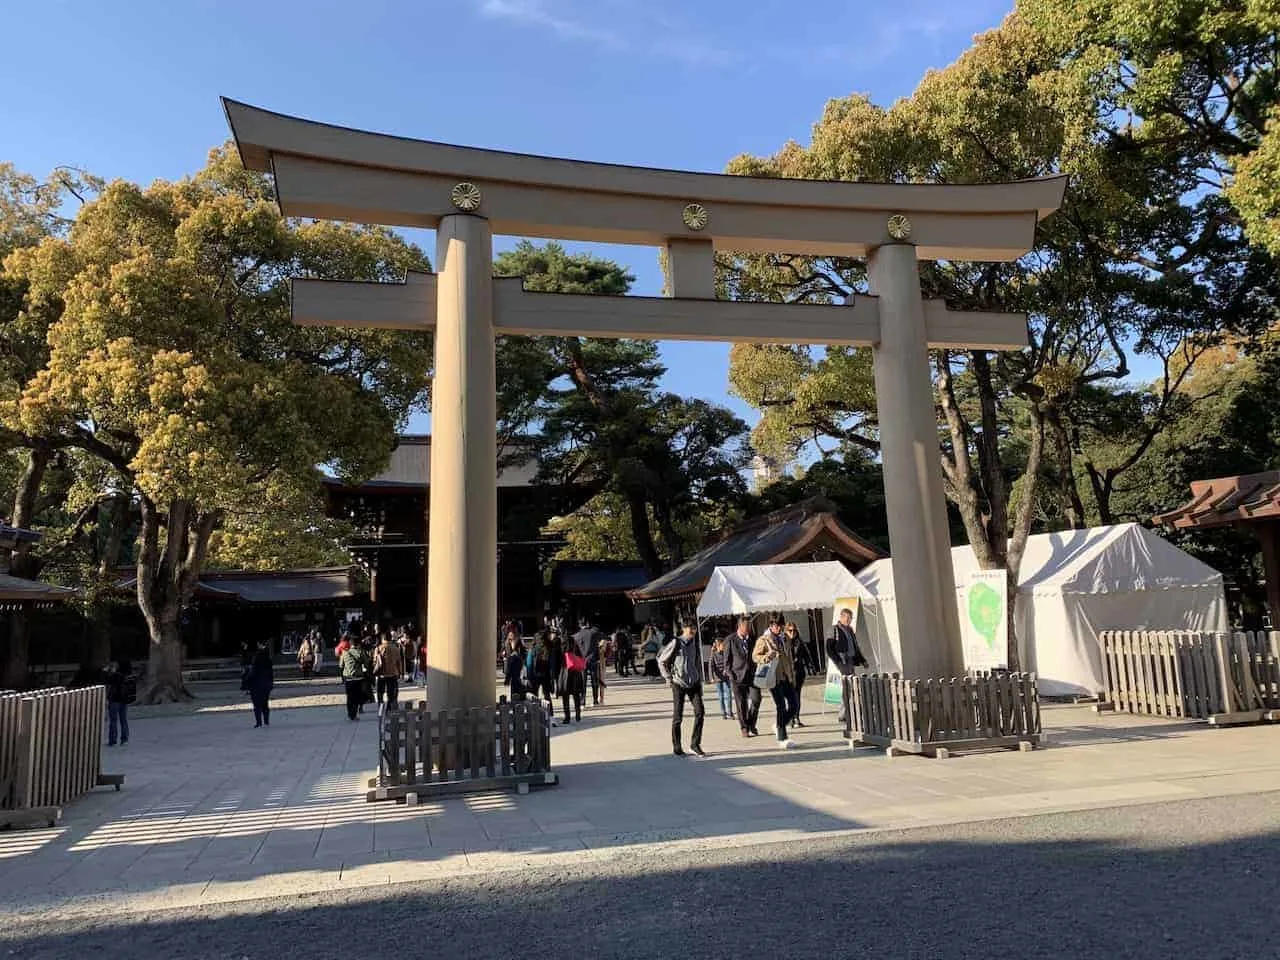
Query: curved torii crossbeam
{"points": [[468, 194]]}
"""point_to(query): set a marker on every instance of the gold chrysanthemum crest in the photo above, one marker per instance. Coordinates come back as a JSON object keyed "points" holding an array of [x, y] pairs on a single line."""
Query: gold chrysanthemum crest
{"points": [[466, 197], [899, 227], [695, 216]]}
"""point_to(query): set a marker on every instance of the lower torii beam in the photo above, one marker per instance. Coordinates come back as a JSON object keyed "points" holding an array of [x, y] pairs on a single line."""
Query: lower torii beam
{"points": [[411, 305], [894, 321]]}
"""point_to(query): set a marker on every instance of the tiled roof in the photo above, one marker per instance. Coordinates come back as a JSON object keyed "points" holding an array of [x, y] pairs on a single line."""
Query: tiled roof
{"points": [[1227, 500], [778, 537]]}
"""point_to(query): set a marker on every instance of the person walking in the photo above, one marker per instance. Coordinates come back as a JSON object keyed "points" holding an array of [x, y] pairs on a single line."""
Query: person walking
{"points": [[354, 665], [388, 670], [422, 661], [538, 662], [406, 656], [649, 650], [771, 648], [586, 642], [600, 685], [681, 665], [720, 673], [260, 681], [842, 650], [306, 657], [572, 684], [514, 670], [122, 690], [741, 669], [803, 663]]}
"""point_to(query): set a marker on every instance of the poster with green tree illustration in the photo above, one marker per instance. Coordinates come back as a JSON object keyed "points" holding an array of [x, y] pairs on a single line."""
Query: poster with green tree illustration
{"points": [[985, 614]]}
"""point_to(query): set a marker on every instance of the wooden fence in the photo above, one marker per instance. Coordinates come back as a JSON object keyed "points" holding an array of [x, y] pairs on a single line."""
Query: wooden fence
{"points": [[50, 751], [934, 717], [461, 751], [1224, 678]]}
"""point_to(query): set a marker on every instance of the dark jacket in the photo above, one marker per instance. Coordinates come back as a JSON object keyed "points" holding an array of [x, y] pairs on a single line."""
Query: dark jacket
{"points": [[121, 687], [720, 665], [513, 673], [681, 662], [587, 642], [538, 659], [740, 666], [842, 649], [800, 656], [261, 674]]}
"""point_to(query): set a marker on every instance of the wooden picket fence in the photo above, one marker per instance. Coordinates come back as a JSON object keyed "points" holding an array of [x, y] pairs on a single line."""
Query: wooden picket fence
{"points": [[935, 717], [1224, 678], [50, 752], [425, 754]]}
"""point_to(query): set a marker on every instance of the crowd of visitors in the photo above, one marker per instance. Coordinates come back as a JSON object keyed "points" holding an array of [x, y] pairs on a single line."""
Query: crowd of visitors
{"points": [[555, 665]]}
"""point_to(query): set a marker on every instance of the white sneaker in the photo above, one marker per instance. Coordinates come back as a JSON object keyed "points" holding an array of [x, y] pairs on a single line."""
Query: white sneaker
{"points": [[786, 744]]}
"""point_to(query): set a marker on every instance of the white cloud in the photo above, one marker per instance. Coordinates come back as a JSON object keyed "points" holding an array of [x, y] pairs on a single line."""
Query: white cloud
{"points": [[536, 13]]}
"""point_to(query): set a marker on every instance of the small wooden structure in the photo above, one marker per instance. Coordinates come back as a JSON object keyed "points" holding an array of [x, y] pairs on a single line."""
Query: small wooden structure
{"points": [[1249, 501], [425, 754], [1219, 677], [935, 717], [50, 752]]}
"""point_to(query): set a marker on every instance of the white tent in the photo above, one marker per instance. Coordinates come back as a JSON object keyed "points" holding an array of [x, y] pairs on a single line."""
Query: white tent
{"points": [[777, 587], [1071, 586]]}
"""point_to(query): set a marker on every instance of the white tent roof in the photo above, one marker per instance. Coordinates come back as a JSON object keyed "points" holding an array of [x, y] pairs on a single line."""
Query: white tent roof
{"points": [[777, 586], [1117, 559]]}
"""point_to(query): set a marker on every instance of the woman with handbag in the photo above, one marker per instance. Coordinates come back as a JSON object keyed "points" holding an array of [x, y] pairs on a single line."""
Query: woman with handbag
{"points": [[573, 681], [776, 672]]}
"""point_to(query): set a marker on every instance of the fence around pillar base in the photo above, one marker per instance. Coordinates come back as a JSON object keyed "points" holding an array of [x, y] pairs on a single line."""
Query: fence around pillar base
{"points": [[1224, 678], [935, 717], [425, 754], [50, 752]]}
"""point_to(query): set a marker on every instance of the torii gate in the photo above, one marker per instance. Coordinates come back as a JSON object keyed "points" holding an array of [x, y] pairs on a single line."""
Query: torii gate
{"points": [[467, 194]]}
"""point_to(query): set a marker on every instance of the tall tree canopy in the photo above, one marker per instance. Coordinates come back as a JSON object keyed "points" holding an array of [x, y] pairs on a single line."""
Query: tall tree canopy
{"points": [[173, 361], [1147, 258], [593, 414]]}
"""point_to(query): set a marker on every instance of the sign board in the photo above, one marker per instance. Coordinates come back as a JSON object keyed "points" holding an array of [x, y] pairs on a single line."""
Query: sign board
{"points": [[985, 617], [832, 692]]}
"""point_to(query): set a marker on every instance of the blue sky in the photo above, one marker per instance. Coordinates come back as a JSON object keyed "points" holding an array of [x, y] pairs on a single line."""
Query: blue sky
{"points": [[131, 89]]}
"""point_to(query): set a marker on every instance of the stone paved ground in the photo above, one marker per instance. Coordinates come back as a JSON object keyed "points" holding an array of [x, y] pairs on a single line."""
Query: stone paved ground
{"points": [[215, 811]]}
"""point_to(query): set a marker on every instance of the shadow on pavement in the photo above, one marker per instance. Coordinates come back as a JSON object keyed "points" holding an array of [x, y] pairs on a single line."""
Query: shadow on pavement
{"points": [[1131, 886]]}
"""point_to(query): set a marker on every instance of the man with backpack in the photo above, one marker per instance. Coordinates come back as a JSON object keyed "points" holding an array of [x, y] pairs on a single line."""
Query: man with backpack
{"points": [[122, 690], [681, 664]]}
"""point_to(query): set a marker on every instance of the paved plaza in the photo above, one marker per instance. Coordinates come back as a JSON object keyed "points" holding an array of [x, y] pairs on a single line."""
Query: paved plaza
{"points": [[214, 811]]}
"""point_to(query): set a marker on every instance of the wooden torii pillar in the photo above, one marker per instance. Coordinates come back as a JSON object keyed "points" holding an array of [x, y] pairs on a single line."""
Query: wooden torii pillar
{"points": [[467, 194]]}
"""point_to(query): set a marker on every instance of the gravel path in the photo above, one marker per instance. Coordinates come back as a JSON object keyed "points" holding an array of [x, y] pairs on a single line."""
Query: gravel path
{"points": [[1188, 879]]}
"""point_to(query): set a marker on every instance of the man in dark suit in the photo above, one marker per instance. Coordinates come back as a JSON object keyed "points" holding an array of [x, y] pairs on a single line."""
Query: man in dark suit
{"points": [[742, 672], [842, 649]]}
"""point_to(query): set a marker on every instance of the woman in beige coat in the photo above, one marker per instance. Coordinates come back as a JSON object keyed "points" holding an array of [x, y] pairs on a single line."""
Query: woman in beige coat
{"points": [[770, 647]]}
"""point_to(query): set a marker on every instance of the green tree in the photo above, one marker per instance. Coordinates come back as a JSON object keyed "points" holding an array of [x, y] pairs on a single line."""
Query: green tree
{"points": [[172, 360], [1142, 260], [591, 412]]}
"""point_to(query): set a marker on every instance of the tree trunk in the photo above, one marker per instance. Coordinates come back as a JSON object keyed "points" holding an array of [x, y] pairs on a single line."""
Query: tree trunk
{"points": [[643, 535], [164, 668], [23, 564], [1023, 515], [1076, 517]]}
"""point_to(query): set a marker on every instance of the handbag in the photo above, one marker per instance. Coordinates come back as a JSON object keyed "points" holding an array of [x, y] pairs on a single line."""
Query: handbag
{"points": [[767, 675], [574, 661]]}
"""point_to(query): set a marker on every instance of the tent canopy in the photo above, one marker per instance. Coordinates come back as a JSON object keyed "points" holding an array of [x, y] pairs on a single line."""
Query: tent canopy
{"points": [[777, 586], [1116, 559]]}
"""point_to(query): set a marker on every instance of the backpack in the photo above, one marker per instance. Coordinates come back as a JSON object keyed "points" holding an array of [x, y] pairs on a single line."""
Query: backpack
{"points": [[129, 688]]}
